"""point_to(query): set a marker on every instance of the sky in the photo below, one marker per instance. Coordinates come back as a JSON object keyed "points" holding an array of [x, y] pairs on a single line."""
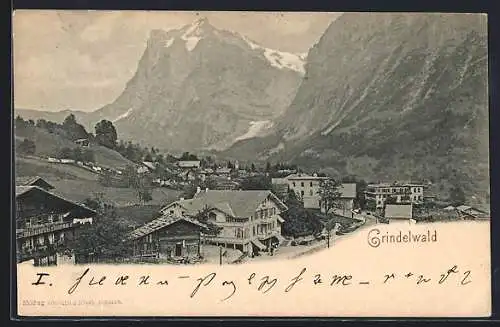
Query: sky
{"points": [[81, 60]]}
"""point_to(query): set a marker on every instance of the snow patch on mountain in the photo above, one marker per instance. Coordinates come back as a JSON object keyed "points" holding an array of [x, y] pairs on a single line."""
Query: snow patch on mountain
{"points": [[168, 43], [255, 129], [281, 59], [124, 115], [193, 34]]}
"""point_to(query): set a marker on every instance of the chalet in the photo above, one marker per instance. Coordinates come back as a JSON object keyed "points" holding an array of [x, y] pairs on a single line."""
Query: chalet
{"points": [[398, 211], [468, 212], [44, 223], [33, 181], [82, 142], [189, 164], [250, 220], [168, 237]]}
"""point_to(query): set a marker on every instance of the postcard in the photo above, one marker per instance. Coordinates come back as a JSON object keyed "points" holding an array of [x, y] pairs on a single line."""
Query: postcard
{"points": [[251, 164]]}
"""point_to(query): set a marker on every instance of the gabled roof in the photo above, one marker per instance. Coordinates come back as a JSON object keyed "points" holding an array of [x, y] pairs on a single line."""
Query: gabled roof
{"points": [[149, 164], [234, 203], [160, 223], [33, 181], [22, 191]]}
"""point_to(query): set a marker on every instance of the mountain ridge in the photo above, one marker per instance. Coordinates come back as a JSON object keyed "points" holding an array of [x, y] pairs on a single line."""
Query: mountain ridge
{"points": [[174, 80], [390, 96]]}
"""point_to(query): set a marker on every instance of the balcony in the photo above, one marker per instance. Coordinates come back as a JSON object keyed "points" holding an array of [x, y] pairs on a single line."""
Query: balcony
{"points": [[31, 252], [43, 229]]}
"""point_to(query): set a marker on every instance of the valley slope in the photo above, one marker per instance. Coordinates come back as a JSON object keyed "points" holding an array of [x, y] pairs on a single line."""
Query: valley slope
{"points": [[391, 97]]}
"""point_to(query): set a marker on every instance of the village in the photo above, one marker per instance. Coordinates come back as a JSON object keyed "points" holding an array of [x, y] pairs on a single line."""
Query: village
{"points": [[224, 214]]}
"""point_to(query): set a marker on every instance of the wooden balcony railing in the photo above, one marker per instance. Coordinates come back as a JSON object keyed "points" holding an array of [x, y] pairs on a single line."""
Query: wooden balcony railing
{"points": [[43, 229]]}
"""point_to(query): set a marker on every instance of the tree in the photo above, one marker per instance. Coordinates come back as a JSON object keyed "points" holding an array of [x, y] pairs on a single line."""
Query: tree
{"points": [[188, 191], [392, 199], [105, 237], [370, 205], [299, 221], [105, 134], [65, 153], [131, 177], [203, 217], [41, 123], [105, 179], [69, 120], [252, 167], [188, 156], [19, 122], [457, 195], [74, 131], [148, 157], [76, 154], [329, 194], [360, 200], [256, 183], [88, 155], [159, 159], [27, 147], [210, 183], [268, 166], [144, 194]]}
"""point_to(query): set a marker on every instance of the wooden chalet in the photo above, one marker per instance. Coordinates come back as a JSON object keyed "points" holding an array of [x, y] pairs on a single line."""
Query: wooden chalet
{"points": [[168, 237], [34, 181], [44, 223]]}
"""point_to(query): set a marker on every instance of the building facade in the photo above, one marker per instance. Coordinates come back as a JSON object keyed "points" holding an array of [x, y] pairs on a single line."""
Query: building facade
{"points": [[307, 187], [250, 221], [168, 237], [398, 192], [45, 222]]}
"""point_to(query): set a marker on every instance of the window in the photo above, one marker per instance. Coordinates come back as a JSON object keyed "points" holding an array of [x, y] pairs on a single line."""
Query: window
{"points": [[301, 184], [171, 212], [212, 216], [253, 230], [302, 193], [311, 192], [311, 184], [293, 184]]}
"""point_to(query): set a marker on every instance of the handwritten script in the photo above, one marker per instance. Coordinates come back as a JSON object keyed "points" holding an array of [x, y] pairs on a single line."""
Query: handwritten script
{"points": [[263, 283]]}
